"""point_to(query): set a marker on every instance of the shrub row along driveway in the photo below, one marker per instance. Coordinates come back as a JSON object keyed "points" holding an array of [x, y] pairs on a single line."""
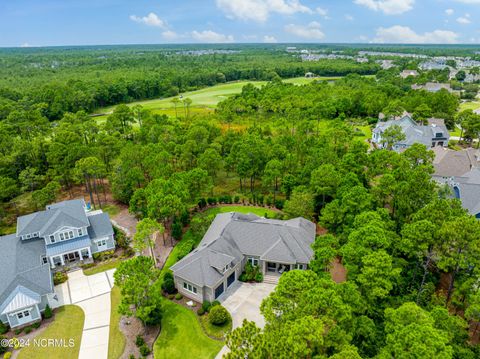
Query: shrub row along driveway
{"points": [[92, 294]]}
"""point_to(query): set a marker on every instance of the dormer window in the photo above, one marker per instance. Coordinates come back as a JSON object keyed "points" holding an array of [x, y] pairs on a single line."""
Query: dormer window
{"points": [[28, 236], [80, 233], [226, 268], [66, 235], [52, 238], [44, 260]]}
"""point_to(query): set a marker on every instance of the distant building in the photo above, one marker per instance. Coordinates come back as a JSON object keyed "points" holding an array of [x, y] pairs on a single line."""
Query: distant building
{"points": [[385, 64], [406, 73], [309, 75], [432, 87], [431, 135]]}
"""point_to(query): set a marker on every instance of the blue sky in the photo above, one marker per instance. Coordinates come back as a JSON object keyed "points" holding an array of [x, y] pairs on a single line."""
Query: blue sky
{"points": [[91, 22]]}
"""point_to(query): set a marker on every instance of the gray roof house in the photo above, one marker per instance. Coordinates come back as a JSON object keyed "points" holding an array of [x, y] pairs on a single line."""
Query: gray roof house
{"points": [[63, 234], [431, 135], [466, 188], [234, 239], [449, 163]]}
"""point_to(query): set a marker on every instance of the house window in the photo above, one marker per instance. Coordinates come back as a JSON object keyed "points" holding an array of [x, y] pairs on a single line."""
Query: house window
{"points": [[190, 287], [66, 235], [28, 236], [80, 232], [300, 266], [52, 238], [23, 314], [253, 261], [44, 260], [62, 236], [102, 243], [35, 234]]}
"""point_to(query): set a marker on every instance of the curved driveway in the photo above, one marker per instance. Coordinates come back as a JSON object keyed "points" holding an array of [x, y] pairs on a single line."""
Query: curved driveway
{"points": [[92, 294]]}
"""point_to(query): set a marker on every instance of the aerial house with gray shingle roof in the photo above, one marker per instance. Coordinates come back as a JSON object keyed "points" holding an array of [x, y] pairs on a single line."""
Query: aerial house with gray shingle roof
{"points": [[234, 239], [63, 234]]}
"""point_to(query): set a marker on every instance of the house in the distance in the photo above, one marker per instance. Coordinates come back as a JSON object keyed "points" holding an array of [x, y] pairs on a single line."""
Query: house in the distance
{"points": [[234, 239], [431, 135], [406, 73], [63, 234], [433, 87]]}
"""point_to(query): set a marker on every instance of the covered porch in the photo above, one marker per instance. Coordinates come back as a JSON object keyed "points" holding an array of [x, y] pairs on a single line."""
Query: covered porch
{"points": [[70, 253], [276, 268]]}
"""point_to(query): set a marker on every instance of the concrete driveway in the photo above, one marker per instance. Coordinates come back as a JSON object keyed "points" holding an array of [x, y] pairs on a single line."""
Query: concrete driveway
{"points": [[92, 294], [243, 301]]}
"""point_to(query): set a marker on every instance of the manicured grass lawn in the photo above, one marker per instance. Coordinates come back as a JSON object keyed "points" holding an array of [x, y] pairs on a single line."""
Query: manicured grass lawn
{"points": [[110, 264], [259, 211], [215, 331], [182, 336], [111, 209], [68, 324], [471, 105], [117, 341]]}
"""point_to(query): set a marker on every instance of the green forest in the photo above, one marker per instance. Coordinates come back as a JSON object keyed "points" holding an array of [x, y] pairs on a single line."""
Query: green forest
{"points": [[412, 253]]}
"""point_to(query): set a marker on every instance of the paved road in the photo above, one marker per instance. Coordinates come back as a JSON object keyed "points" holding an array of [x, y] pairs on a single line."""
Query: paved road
{"points": [[243, 301], [92, 294]]}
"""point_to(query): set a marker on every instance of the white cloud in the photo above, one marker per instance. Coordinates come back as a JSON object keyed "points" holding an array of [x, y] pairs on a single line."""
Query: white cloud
{"points": [[151, 19], [389, 7], [211, 37], [25, 44], [405, 35], [349, 17], [259, 10], [321, 11], [464, 20], [269, 39], [170, 35], [449, 12], [312, 31]]}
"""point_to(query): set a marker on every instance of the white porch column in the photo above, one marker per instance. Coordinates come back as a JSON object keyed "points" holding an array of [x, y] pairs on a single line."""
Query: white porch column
{"points": [[80, 254], [89, 252], [52, 264], [61, 260]]}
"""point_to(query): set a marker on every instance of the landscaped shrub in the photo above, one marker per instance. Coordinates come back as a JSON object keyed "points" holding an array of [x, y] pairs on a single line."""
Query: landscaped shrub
{"points": [[48, 312], [215, 303], [18, 331], [251, 273], [121, 238], [178, 296], [139, 341], [7, 355], [202, 203], [259, 277], [236, 199], [184, 247], [279, 203], [171, 296], [155, 317], [36, 325], [3, 348], [200, 311], [28, 330], [131, 356], [243, 277], [212, 200], [177, 231], [206, 305], [88, 265], [3, 328], [144, 350], [59, 278], [218, 315], [168, 286], [185, 218]]}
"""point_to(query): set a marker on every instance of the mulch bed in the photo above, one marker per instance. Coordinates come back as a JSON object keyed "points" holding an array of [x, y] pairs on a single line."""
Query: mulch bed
{"points": [[131, 327]]}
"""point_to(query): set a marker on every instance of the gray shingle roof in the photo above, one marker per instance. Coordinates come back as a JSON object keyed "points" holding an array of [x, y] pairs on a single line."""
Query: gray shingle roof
{"points": [[232, 236], [100, 226], [21, 264], [63, 214], [449, 163]]}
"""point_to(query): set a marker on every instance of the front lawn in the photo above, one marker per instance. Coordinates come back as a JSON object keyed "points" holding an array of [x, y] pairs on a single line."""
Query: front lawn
{"points": [[182, 336], [117, 341], [103, 266], [67, 325], [215, 331]]}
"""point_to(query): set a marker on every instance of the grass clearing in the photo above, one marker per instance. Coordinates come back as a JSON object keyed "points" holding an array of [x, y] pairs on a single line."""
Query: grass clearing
{"points": [[259, 211], [470, 105], [215, 331], [117, 341], [68, 324], [111, 209], [102, 267], [182, 336]]}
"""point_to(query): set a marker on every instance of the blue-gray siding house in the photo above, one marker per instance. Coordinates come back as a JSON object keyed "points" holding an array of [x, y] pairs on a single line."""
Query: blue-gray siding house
{"points": [[64, 233]]}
